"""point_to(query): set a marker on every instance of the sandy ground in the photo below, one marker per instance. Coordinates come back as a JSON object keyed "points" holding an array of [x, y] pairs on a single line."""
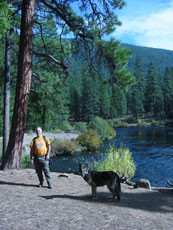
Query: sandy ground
{"points": [[68, 206]]}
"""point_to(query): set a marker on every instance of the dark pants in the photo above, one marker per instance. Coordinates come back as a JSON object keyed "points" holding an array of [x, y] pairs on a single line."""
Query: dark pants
{"points": [[41, 165]]}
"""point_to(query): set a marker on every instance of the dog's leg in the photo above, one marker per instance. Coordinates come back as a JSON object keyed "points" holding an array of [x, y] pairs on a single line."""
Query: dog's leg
{"points": [[111, 190], [94, 192], [115, 190]]}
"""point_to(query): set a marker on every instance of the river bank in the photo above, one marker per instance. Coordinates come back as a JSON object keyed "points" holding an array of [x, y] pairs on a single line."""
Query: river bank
{"points": [[29, 136], [69, 206]]}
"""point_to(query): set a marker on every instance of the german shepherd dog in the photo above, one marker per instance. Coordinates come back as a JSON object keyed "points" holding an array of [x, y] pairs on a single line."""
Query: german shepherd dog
{"points": [[96, 179]]}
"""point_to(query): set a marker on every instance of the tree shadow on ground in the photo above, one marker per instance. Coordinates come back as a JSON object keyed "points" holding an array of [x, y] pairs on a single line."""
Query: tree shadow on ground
{"points": [[158, 200], [17, 184]]}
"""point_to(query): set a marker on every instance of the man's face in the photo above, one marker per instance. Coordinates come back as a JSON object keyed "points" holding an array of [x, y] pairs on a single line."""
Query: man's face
{"points": [[39, 132]]}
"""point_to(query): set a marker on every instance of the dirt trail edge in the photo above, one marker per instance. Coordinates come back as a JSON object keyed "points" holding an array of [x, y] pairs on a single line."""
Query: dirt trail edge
{"points": [[69, 206]]}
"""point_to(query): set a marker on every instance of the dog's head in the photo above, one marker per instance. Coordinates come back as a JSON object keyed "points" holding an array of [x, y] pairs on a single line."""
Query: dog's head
{"points": [[84, 171]]}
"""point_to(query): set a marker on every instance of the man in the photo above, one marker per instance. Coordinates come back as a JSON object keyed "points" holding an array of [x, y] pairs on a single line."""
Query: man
{"points": [[40, 152]]}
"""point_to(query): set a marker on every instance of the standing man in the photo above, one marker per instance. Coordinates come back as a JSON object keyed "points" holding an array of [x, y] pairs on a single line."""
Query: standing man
{"points": [[40, 152]]}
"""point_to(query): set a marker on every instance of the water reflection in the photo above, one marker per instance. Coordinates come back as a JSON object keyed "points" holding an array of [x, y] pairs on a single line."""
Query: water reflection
{"points": [[151, 148]]}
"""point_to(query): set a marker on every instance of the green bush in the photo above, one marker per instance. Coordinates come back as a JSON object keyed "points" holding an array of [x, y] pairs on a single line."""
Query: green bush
{"points": [[141, 123], [102, 127], [90, 140], [59, 147], [80, 127], [26, 162], [122, 124], [169, 123], [117, 160], [65, 126], [153, 122], [130, 120], [111, 123]]}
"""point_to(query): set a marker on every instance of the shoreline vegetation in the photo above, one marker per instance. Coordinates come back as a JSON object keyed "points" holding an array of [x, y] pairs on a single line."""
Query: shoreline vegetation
{"points": [[80, 137], [89, 137]]}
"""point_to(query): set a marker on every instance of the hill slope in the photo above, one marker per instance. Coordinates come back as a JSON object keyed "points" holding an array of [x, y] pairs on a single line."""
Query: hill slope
{"points": [[162, 58]]}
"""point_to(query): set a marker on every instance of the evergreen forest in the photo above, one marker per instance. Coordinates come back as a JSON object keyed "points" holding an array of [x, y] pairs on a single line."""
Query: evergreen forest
{"points": [[86, 86]]}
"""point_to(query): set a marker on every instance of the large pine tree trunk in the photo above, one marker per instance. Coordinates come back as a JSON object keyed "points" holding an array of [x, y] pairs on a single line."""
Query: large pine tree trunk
{"points": [[6, 118], [12, 157]]}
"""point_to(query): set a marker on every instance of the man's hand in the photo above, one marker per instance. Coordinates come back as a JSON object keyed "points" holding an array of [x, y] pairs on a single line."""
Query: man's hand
{"points": [[32, 161], [47, 158]]}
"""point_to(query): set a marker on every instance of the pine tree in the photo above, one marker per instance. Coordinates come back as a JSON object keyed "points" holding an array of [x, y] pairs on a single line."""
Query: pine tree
{"points": [[168, 91], [105, 100], [118, 102], [90, 96], [137, 98], [154, 97]]}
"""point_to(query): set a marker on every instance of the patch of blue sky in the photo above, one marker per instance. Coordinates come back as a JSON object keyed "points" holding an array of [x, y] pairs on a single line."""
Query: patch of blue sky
{"points": [[146, 23]]}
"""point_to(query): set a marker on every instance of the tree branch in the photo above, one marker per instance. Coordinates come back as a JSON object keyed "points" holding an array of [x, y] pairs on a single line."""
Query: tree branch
{"points": [[50, 57]]}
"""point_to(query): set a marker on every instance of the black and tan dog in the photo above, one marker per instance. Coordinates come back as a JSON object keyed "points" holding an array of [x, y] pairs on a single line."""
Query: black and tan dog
{"points": [[96, 179]]}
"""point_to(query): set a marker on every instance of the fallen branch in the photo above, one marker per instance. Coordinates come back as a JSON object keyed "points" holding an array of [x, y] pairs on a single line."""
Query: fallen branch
{"points": [[169, 183]]}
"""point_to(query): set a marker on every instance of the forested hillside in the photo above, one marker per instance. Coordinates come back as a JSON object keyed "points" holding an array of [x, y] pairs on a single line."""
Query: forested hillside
{"points": [[78, 79], [162, 58], [88, 91]]}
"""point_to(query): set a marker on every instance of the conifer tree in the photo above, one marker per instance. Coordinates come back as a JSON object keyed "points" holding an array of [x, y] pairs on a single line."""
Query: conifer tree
{"points": [[137, 92], [154, 97], [168, 91]]}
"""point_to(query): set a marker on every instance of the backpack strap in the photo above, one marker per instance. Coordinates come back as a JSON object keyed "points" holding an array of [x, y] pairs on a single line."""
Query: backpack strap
{"points": [[34, 139], [44, 139]]}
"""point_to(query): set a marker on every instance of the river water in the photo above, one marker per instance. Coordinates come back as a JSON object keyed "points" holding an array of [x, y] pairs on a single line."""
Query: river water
{"points": [[152, 151]]}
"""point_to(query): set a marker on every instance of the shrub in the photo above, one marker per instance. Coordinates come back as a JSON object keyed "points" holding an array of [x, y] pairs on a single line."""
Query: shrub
{"points": [[130, 120], [153, 122], [80, 127], [102, 128], [25, 162], [111, 123], [112, 132], [122, 125], [117, 160], [62, 147], [90, 140], [169, 123], [141, 122], [65, 126]]}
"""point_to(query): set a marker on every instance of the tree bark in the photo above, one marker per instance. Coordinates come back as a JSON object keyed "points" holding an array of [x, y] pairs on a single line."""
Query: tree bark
{"points": [[6, 117], [12, 157]]}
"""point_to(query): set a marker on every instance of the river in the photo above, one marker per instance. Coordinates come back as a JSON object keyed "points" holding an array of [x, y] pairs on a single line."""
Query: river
{"points": [[152, 151]]}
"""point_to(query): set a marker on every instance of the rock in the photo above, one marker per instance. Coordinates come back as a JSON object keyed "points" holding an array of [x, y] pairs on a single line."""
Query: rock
{"points": [[143, 183]]}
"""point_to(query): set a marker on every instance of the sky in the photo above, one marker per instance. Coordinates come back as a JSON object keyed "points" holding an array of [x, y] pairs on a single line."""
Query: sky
{"points": [[146, 23]]}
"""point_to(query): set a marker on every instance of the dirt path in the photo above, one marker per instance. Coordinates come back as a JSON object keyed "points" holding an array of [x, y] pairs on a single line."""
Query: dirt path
{"points": [[69, 206]]}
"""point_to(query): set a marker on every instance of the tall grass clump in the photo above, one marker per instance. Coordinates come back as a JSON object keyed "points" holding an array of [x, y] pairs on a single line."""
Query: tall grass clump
{"points": [[117, 160], [102, 127]]}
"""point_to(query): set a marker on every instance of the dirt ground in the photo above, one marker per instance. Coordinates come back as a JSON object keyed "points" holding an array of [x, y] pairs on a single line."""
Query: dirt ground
{"points": [[68, 206]]}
